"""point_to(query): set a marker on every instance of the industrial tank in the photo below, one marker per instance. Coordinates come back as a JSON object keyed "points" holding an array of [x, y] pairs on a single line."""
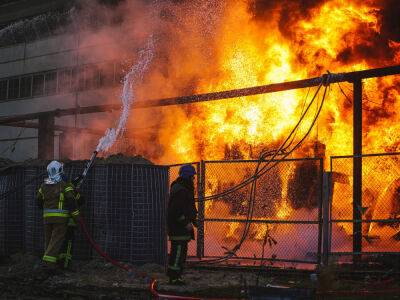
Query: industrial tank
{"points": [[125, 208]]}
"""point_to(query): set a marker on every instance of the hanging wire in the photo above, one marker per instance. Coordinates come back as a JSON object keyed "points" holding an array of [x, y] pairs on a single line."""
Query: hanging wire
{"points": [[261, 171], [12, 146], [281, 151]]}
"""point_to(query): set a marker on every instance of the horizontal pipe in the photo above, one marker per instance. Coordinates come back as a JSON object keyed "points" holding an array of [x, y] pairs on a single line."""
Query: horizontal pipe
{"points": [[57, 128], [266, 160], [19, 139], [365, 221], [365, 155], [261, 221], [363, 253], [262, 259], [264, 89]]}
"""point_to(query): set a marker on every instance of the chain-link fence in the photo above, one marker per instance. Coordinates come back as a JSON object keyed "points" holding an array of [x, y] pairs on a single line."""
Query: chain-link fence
{"points": [[379, 208], [285, 222]]}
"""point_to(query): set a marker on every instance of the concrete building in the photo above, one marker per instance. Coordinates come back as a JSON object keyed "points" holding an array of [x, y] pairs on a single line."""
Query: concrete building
{"points": [[42, 68]]}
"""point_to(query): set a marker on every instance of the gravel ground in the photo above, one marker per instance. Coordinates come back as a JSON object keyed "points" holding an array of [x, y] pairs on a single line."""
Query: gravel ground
{"points": [[21, 277]]}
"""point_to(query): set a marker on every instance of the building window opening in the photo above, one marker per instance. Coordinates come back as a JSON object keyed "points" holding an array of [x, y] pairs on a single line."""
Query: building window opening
{"points": [[38, 85], [50, 83], [13, 91], [64, 81], [26, 87], [3, 89]]}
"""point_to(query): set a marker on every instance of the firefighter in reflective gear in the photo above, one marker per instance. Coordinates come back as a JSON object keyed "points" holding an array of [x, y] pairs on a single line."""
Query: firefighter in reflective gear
{"points": [[60, 203], [182, 216]]}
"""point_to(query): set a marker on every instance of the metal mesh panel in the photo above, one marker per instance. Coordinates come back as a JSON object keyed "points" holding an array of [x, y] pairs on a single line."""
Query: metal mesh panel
{"points": [[281, 242], [124, 210], [131, 217], [286, 210], [11, 213], [380, 209], [33, 239]]}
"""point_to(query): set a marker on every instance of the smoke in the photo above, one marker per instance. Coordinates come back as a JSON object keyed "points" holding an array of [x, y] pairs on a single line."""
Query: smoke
{"points": [[389, 14]]}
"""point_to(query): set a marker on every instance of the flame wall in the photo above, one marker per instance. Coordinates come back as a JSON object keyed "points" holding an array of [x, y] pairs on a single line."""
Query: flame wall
{"points": [[205, 46]]}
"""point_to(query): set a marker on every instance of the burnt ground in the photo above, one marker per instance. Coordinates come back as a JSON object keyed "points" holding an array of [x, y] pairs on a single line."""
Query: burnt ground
{"points": [[22, 278]]}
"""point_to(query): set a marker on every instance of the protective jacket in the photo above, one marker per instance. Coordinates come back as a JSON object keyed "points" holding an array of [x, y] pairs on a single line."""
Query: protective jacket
{"points": [[181, 210], [59, 201]]}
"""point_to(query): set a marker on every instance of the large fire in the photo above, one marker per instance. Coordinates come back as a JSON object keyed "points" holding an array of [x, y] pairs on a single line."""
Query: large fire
{"points": [[222, 45], [270, 43]]}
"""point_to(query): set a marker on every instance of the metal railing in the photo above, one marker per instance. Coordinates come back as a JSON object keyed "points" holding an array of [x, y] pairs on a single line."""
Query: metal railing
{"points": [[286, 224], [301, 214], [379, 211]]}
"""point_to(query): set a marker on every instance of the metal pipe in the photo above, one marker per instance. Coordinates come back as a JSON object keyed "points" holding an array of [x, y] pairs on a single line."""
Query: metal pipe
{"points": [[357, 166], [264, 89], [19, 139], [201, 178], [326, 200], [262, 221]]}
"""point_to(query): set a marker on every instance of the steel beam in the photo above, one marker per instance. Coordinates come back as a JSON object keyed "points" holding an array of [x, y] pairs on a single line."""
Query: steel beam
{"points": [[46, 137], [201, 183], [264, 89], [34, 125]]}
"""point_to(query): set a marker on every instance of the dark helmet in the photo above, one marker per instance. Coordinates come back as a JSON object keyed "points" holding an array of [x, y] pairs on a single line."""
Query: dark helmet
{"points": [[186, 171]]}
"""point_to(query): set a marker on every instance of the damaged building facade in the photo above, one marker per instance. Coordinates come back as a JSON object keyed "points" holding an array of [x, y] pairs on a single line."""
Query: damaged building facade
{"points": [[43, 69]]}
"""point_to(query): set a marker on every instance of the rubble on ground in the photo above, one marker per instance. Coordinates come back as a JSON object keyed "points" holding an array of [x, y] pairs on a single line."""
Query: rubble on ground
{"points": [[21, 274], [22, 277]]}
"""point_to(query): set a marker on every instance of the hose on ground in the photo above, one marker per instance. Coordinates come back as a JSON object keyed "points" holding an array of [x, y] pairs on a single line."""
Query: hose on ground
{"points": [[126, 267]]}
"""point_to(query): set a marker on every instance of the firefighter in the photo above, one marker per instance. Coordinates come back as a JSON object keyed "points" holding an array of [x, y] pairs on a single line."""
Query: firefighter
{"points": [[182, 216], [60, 203]]}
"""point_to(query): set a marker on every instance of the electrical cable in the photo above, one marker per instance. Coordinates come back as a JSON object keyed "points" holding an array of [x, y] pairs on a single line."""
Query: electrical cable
{"points": [[258, 173], [351, 102], [263, 156], [12, 146]]}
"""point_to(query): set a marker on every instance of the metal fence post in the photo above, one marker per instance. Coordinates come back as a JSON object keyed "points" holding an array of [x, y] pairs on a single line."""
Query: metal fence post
{"points": [[357, 167], [320, 207], [327, 188], [201, 178]]}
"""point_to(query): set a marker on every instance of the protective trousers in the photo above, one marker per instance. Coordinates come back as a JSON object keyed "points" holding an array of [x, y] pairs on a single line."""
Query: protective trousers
{"points": [[177, 259], [54, 236], [65, 256]]}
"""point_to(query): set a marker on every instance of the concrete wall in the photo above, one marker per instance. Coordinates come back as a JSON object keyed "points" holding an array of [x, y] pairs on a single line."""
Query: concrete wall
{"points": [[47, 54]]}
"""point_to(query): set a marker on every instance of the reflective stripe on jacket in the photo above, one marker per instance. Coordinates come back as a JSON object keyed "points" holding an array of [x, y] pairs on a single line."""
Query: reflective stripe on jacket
{"points": [[59, 202]]}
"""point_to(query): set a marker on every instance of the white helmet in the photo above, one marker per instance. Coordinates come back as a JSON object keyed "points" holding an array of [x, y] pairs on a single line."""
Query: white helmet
{"points": [[55, 170]]}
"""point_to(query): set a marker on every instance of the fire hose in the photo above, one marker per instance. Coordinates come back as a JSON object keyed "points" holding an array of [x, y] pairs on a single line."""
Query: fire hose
{"points": [[129, 269]]}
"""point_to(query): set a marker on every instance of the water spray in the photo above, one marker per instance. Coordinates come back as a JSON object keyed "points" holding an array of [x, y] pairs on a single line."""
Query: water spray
{"points": [[134, 75]]}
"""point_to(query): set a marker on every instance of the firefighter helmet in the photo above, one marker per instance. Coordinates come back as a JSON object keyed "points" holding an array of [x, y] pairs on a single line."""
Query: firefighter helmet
{"points": [[186, 171]]}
